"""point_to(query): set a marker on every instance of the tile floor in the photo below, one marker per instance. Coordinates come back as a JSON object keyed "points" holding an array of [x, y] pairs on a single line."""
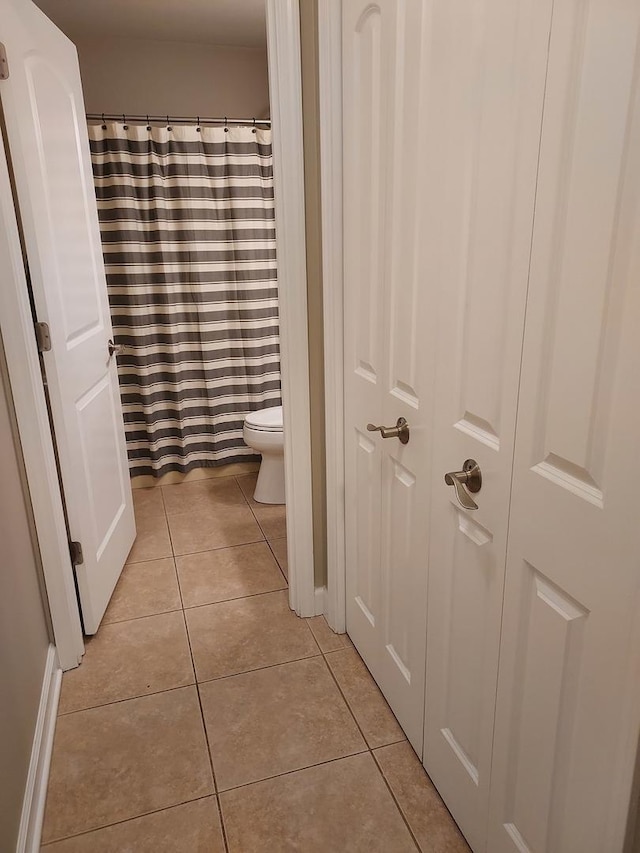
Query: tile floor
{"points": [[207, 718]]}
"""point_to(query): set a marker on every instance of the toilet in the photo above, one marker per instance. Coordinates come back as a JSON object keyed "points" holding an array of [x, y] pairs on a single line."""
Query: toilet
{"points": [[263, 432]]}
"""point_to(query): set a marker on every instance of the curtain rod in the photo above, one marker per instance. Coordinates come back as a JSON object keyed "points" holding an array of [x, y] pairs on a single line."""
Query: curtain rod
{"points": [[124, 118]]}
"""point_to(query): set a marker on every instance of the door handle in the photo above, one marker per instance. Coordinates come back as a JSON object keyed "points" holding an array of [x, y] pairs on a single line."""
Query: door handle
{"points": [[400, 430], [465, 481], [116, 349]]}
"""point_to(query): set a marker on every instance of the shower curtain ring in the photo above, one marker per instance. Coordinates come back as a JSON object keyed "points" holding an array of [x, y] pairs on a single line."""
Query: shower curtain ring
{"points": [[226, 129], [148, 125], [125, 126], [198, 125], [168, 125], [254, 125], [104, 124]]}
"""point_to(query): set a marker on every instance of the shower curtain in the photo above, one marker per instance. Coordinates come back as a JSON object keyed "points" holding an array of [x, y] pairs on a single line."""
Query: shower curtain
{"points": [[187, 225]]}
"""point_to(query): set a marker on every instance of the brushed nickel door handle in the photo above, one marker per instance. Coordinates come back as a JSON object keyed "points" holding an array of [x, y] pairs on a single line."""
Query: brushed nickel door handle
{"points": [[400, 430], [116, 349], [465, 481]]}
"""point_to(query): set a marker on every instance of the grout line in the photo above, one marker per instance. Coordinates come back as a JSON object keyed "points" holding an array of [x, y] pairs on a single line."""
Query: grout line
{"points": [[126, 820], [223, 828], [268, 541], [234, 598], [394, 798], [295, 770], [276, 558], [152, 560], [350, 709], [128, 699], [255, 515], [202, 719], [370, 749], [257, 669], [143, 616], [217, 548]]}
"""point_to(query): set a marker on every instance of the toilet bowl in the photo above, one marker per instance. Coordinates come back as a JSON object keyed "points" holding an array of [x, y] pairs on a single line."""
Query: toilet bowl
{"points": [[263, 432]]}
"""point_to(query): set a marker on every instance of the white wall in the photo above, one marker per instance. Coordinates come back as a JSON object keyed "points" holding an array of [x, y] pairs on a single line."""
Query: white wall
{"points": [[157, 77], [24, 637]]}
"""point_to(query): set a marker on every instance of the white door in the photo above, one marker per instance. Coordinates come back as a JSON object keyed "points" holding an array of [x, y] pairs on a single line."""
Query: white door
{"points": [[491, 112], [49, 150], [389, 330], [569, 685]]}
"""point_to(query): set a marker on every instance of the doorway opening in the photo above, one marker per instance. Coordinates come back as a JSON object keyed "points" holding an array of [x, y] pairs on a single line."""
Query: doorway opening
{"points": [[289, 210]]}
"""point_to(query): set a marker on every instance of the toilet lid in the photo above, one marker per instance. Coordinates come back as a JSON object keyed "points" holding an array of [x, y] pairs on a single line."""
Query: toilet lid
{"points": [[269, 420]]}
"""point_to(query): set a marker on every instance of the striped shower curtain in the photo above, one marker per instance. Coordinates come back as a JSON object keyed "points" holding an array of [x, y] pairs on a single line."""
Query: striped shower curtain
{"points": [[188, 234]]}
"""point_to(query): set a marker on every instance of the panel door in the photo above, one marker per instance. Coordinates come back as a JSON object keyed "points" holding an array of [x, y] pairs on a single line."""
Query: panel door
{"points": [[49, 149], [568, 695], [492, 90], [389, 334]]}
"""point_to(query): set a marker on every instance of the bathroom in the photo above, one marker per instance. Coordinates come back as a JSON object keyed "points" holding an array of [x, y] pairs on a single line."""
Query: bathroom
{"points": [[188, 233]]}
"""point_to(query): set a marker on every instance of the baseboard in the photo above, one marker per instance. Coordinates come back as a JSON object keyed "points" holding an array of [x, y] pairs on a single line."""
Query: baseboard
{"points": [[36, 788], [320, 602]]}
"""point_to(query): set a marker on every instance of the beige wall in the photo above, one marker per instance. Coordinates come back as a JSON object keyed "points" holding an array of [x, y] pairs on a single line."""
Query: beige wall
{"points": [[310, 109], [24, 637], [156, 77]]}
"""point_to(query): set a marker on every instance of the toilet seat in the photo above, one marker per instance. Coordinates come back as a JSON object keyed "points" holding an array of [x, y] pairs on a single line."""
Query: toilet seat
{"points": [[265, 420]]}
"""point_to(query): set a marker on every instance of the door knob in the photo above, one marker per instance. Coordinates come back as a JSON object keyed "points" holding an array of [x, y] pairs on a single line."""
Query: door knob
{"points": [[465, 481], [400, 430], [115, 349]]}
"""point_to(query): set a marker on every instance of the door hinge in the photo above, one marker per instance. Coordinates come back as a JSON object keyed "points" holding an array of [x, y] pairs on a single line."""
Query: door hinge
{"points": [[43, 337], [76, 553], [4, 65]]}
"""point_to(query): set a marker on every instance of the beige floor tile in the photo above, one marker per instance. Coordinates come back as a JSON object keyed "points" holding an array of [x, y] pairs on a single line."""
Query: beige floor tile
{"points": [[369, 707], [279, 548], [202, 496], [144, 589], [271, 517], [148, 503], [274, 720], [120, 761], [189, 828], [423, 809], [228, 573], [220, 528], [152, 540], [128, 659], [246, 634], [325, 637], [341, 806]]}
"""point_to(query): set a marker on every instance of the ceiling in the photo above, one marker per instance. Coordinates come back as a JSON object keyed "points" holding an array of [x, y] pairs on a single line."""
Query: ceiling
{"points": [[227, 22]]}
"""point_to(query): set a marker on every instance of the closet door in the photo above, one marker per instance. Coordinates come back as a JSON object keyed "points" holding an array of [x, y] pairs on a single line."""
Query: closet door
{"points": [[568, 695], [492, 89], [389, 334], [44, 114]]}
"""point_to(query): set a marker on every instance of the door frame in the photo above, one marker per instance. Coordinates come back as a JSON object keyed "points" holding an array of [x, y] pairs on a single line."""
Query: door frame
{"points": [[23, 363], [330, 119], [285, 94]]}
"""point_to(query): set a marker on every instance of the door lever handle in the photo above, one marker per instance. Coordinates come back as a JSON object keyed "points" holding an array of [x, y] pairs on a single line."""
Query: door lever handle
{"points": [[465, 481], [116, 349], [400, 430]]}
